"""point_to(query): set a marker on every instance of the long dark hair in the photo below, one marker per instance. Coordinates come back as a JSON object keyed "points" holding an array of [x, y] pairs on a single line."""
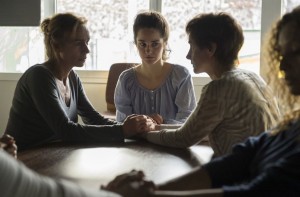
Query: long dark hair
{"points": [[155, 20]]}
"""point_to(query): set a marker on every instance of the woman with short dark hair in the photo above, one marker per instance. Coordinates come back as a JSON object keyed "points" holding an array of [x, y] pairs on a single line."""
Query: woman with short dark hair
{"points": [[236, 104]]}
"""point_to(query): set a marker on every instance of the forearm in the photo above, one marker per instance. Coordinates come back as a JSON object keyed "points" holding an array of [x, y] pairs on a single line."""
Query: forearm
{"points": [[18, 181], [196, 179], [190, 193]]}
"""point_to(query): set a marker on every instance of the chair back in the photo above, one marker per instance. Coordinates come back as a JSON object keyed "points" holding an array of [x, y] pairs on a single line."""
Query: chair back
{"points": [[113, 76]]}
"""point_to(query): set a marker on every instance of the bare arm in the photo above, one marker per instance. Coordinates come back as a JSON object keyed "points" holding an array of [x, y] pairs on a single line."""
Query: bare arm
{"points": [[133, 184], [199, 185], [190, 193]]}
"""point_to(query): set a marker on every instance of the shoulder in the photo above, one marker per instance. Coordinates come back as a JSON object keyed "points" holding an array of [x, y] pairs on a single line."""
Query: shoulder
{"points": [[127, 75], [234, 82], [74, 77], [243, 76], [251, 142], [179, 75], [238, 78], [180, 71], [38, 68], [37, 73]]}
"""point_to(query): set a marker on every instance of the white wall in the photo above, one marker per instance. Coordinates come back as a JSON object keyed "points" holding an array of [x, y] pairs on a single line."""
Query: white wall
{"points": [[94, 83], [7, 86]]}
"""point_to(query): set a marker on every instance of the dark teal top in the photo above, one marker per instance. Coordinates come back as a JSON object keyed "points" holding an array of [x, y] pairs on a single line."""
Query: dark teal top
{"points": [[39, 114], [262, 166]]}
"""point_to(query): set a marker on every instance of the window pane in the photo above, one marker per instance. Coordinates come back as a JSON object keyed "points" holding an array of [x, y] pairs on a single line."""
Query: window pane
{"points": [[247, 13], [288, 5], [110, 23], [110, 26], [20, 48]]}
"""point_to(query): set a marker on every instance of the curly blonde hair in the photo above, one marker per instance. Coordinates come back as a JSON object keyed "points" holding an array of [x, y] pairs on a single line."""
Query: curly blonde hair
{"points": [[289, 104]]}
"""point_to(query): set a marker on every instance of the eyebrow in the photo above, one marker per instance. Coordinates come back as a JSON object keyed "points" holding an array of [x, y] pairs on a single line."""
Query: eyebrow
{"points": [[150, 41], [80, 40]]}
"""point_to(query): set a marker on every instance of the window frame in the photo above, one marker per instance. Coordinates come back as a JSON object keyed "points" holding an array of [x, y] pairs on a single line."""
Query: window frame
{"points": [[270, 11]]}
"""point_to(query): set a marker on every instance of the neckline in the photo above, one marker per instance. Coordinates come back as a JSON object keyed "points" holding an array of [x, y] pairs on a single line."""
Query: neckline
{"points": [[159, 86]]}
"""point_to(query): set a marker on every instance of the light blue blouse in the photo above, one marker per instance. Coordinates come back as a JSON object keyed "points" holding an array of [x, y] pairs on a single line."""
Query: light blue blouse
{"points": [[174, 100]]}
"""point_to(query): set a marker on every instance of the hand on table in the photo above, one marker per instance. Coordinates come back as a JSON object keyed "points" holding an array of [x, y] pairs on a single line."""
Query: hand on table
{"points": [[130, 184], [137, 124], [157, 118], [9, 145]]}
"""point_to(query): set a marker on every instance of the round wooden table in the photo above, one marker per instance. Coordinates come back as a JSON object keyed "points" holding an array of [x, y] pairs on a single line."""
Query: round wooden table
{"points": [[91, 165]]}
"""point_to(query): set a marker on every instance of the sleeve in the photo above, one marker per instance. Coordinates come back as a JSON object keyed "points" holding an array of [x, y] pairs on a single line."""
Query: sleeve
{"points": [[277, 179], [42, 89], [234, 167], [204, 119], [122, 98], [18, 181], [185, 100], [280, 179]]}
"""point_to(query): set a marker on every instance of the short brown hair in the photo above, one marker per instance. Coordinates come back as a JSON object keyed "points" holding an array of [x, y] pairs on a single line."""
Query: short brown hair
{"points": [[221, 29]]}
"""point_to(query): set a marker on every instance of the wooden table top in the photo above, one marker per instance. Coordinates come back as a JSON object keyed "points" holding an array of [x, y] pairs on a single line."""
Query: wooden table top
{"points": [[91, 165]]}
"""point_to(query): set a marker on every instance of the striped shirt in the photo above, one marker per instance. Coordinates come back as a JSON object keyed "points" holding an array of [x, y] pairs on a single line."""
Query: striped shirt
{"points": [[231, 109]]}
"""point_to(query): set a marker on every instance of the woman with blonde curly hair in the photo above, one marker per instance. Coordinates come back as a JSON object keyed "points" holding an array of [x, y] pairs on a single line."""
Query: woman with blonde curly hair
{"points": [[275, 75]]}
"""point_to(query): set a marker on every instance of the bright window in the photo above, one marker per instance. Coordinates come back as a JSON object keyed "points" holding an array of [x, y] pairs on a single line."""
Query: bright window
{"points": [[110, 25], [247, 13], [20, 48]]}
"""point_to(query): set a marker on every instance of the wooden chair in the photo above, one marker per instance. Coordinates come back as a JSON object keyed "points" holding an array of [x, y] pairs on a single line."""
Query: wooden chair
{"points": [[113, 76]]}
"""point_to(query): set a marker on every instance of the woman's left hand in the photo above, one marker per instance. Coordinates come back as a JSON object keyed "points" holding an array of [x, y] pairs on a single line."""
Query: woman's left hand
{"points": [[137, 124], [130, 184], [157, 118], [8, 143]]}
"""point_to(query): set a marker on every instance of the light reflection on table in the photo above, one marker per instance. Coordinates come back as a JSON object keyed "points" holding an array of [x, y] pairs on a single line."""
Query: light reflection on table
{"points": [[92, 165]]}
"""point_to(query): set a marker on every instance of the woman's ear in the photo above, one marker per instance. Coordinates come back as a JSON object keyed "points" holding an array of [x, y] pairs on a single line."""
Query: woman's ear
{"points": [[55, 46], [212, 49]]}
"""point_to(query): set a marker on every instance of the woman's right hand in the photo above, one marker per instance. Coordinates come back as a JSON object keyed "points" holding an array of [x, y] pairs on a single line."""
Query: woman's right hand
{"points": [[137, 124], [8, 143]]}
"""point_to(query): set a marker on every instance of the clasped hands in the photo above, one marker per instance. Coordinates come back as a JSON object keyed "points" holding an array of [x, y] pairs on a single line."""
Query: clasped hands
{"points": [[135, 125], [131, 184]]}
